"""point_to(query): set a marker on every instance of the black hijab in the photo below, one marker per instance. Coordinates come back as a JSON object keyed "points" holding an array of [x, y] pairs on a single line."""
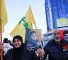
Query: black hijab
{"points": [[17, 53]]}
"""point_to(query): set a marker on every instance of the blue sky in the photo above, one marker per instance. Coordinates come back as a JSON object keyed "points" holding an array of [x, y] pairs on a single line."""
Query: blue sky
{"points": [[16, 9]]}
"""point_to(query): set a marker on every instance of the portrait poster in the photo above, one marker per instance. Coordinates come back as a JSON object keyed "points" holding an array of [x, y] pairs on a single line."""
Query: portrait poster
{"points": [[33, 39]]}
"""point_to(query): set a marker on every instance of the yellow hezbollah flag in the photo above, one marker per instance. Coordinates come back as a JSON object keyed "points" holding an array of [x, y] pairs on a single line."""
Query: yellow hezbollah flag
{"points": [[3, 14], [25, 23], [29, 17], [19, 30]]}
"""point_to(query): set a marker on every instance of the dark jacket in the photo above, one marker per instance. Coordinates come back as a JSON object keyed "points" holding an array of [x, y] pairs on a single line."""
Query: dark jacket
{"points": [[20, 54], [55, 51]]}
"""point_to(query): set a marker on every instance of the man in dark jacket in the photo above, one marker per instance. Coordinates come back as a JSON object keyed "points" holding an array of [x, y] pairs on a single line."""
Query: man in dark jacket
{"points": [[54, 49], [19, 52]]}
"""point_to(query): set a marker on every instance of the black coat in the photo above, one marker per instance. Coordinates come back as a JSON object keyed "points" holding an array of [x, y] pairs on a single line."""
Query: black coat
{"points": [[20, 54], [55, 51]]}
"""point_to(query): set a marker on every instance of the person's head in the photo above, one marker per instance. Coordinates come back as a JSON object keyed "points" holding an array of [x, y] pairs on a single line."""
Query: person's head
{"points": [[17, 41], [66, 35], [33, 35], [5, 40], [9, 42], [57, 35]]}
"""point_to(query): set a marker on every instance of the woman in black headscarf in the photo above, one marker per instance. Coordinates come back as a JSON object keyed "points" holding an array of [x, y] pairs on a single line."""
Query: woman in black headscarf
{"points": [[19, 52]]}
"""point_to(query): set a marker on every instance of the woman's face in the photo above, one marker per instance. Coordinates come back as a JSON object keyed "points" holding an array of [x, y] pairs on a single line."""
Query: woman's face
{"points": [[17, 43]]}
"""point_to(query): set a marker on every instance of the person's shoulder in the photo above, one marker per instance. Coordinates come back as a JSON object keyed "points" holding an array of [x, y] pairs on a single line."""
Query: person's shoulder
{"points": [[50, 42], [27, 51], [9, 52], [30, 55]]}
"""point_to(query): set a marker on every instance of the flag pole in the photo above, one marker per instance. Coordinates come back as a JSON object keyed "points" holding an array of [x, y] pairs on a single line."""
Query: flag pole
{"points": [[1, 45], [35, 26], [0, 30]]}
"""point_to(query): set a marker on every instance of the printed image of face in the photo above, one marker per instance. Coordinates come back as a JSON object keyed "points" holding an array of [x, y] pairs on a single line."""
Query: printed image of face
{"points": [[66, 37], [33, 36], [17, 43]]}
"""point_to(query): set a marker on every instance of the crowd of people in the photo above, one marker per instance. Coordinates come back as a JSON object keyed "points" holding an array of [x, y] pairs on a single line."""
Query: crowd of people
{"points": [[55, 49]]}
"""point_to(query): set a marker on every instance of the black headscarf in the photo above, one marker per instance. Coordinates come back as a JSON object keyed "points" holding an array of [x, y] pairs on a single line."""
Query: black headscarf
{"points": [[18, 37], [18, 53]]}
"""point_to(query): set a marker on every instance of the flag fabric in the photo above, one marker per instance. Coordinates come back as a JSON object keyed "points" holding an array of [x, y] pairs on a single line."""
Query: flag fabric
{"points": [[30, 21], [24, 22], [19, 30], [24, 25], [30, 18], [3, 14]]}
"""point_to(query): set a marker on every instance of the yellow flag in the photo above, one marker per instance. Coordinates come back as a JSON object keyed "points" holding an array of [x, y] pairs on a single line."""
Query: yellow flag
{"points": [[19, 30], [29, 17], [25, 22], [3, 14]]}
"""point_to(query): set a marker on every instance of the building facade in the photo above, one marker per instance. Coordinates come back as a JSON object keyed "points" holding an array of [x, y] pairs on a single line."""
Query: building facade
{"points": [[56, 13]]}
